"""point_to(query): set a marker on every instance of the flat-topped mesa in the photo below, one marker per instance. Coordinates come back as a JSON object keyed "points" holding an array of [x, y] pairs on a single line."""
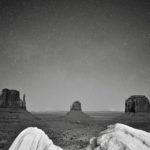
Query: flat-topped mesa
{"points": [[76, 106], [137, 103], [11, 99]]}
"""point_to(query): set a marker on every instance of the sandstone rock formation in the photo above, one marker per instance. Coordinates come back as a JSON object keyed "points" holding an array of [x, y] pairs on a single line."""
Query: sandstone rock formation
{"points": [[76, 113], [137, 103], [121, 137], [33, 138], [76, 106], [13, 116], [11, 99], [115, 137]]}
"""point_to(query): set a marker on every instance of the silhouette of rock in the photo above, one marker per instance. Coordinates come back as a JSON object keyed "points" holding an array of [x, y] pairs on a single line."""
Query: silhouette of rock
{"points": [[11, 99], [137, 103], [12, 108], [13, 116], [76, 106], [76, 113]]}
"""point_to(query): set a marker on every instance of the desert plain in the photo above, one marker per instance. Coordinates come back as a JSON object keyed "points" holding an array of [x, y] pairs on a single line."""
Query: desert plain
{"points": [[69, 133]]}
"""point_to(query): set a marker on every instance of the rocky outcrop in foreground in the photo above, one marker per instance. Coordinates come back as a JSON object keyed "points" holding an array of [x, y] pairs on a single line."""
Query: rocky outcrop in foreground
{"points": [[33, 139], [115, 137], [137, 103], [121, 137], [11, 99]]}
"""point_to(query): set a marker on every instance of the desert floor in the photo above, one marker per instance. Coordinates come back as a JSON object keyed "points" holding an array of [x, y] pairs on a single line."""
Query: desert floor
{"points": [[70, 134]]}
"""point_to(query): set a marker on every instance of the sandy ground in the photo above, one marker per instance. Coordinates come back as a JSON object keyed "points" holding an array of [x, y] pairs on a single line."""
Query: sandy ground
{"points": [[71, 134]]}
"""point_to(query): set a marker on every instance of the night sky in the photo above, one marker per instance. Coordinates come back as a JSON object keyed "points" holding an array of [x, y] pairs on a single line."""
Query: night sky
{"points": [[60, 51]]}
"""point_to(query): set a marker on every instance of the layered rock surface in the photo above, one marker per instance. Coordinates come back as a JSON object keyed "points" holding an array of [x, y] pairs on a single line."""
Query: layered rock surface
{"points": [[137, 103], [121, 137], [115, 137], [33, 139]]}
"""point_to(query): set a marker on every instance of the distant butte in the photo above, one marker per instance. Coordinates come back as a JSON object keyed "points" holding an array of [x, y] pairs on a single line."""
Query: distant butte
{"points": [[76, 106], [11, 99], [137, 103], [76, 113], [13, 108]]}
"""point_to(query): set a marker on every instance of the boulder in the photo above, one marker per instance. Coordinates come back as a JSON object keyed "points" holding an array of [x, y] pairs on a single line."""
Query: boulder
{"points": [[137, 103], [121, 137], [11, 99], [35, 139], [115, 137]]}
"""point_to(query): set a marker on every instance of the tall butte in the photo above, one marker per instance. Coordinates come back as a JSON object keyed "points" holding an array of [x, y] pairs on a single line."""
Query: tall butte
{"points": [[11, 99], [137, 104], [13, 116], [76, 113], [12, 107]]}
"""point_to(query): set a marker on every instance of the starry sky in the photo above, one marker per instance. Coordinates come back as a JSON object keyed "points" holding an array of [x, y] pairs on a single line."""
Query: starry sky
{"points": [[60, 51]]}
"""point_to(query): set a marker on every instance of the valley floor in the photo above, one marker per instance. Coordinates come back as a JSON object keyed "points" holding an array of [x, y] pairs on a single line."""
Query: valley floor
{"points": [[68, 133]]}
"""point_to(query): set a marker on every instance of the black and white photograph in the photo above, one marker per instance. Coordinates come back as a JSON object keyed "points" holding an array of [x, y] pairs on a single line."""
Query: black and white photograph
{"points": [[74, 74]]}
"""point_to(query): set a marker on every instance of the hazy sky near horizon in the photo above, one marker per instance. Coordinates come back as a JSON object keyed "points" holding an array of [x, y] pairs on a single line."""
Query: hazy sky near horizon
{"points": [[60, 51]]}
